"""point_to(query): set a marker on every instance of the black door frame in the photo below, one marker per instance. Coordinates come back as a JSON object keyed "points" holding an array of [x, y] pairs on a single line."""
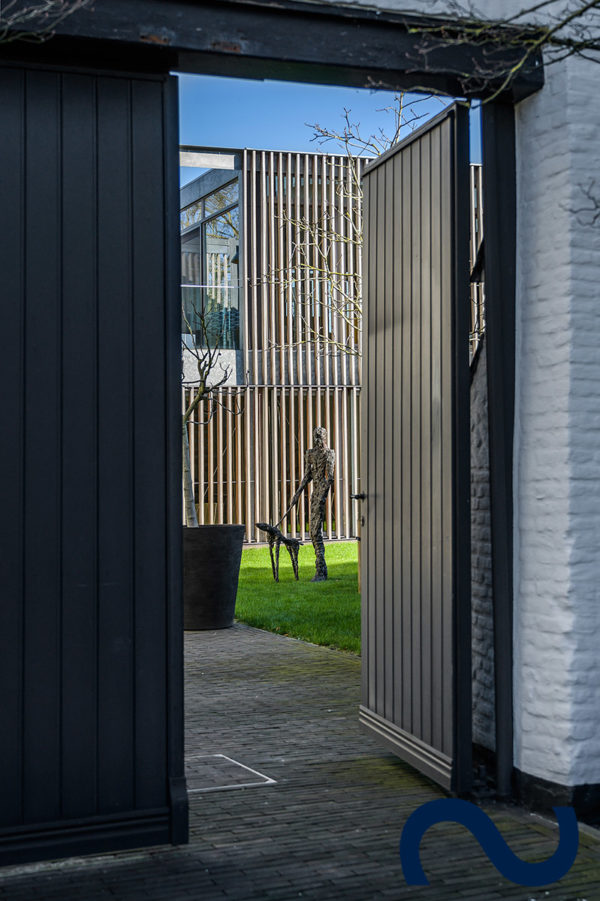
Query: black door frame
{"points": [[337, 46], [500, 215]]}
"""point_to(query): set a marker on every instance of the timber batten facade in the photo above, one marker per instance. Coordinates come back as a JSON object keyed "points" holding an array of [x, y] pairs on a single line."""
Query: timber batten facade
{"points": [[300, 237]]}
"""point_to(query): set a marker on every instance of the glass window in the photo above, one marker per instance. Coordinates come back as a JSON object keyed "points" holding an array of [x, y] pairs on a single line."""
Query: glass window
{"points": [[210, 275], [227, 225], [191, 292], [221, 249], [190, 258], [223, 197], [191, 214]]}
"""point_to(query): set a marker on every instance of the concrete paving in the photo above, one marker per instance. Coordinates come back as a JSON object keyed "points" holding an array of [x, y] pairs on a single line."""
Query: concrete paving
{"points": [[316, 809]]}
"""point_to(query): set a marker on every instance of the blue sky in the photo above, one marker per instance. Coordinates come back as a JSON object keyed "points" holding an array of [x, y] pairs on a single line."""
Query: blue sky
{"points": [[272, 115]]}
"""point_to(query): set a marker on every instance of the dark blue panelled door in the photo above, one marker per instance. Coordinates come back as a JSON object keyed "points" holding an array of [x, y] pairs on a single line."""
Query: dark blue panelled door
{"points": [[90, 624]]}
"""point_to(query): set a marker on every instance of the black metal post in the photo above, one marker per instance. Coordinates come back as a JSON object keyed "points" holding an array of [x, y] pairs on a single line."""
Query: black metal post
{"points": [[499, 217]]}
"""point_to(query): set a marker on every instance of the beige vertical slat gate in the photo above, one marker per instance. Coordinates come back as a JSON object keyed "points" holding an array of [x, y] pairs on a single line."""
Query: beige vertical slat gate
{"points": [[416, 694]]}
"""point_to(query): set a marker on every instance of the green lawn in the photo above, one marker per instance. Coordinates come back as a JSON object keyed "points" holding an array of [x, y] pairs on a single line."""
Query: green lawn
{"points": [[325, 613]]}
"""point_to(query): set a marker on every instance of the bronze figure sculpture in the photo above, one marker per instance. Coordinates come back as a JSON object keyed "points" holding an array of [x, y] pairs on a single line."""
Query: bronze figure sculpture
{"points": [[276, 539], [319, 467]]}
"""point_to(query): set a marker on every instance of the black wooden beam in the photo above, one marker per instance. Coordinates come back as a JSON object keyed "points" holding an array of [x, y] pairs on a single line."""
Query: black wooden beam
{"points": [[299, 41], [499, 228]]}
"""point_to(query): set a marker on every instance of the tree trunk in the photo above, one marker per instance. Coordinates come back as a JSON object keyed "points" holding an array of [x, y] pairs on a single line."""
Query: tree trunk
{"points": [[189, 507]]}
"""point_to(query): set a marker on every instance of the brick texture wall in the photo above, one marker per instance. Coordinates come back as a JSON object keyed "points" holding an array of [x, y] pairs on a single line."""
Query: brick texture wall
{"points": [[584, 421], [557, 461]]}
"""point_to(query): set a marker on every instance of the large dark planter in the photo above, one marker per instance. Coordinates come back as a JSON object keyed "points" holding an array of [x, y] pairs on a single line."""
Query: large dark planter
{"points": [[211, 568]]}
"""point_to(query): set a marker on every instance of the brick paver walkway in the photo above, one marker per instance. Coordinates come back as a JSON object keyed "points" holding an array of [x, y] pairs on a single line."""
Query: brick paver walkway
{"points": [[327, 829]]}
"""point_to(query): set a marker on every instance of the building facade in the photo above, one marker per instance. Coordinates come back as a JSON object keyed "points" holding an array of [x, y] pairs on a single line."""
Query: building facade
{"points": [[271, 255]]}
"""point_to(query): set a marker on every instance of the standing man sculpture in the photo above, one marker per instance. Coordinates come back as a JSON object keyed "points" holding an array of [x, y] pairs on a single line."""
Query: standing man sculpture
{"points": [[320, 464]]}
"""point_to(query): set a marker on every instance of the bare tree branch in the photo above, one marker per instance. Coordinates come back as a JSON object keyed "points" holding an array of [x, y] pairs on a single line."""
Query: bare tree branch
{"points": [[590, 213], [34, 21], [316, 273], [204, 345], [513, 43]]}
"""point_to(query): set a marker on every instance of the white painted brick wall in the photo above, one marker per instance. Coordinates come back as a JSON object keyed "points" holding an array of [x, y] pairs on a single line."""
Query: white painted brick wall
{"points": [[543, 620], [557, 427], [584, 425], [481, 562], [557, 456]]}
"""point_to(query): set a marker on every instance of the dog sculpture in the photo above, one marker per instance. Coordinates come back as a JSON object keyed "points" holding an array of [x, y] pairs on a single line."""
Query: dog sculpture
{"points": [[276, 538]]}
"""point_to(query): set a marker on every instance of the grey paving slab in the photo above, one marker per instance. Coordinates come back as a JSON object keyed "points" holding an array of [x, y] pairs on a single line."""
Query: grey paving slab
{"points": [[327, 828]]}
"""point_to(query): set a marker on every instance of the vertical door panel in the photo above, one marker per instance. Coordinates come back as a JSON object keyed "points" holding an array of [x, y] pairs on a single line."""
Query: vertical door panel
{"points": [[115, 507], [12, 92], [79, 436], [416, 569], [42, 503], [90, 624]]}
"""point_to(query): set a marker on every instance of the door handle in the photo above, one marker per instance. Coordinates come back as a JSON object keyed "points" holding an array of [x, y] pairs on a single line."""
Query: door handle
{"points": [[359, 497]]}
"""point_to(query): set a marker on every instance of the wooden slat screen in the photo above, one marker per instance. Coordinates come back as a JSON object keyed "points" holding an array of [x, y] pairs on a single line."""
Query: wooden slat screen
{"points": [[294, 335], [236, 481], [299, 351]]}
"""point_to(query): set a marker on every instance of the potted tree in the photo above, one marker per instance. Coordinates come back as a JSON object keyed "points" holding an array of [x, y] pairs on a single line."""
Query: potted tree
{"points": [[212, 553]]}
